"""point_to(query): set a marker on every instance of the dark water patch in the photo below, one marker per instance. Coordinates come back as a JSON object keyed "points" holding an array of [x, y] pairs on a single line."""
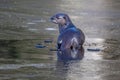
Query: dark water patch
{"points": [[112, 49], [54, 49], [48, 41], [8, 49], [39, 46], [112, 41], [23, 49], [93, 49]]}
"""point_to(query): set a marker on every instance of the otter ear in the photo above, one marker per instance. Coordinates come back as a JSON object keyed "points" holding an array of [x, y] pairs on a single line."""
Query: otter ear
{"points": [[60, 17], [64, 17]]}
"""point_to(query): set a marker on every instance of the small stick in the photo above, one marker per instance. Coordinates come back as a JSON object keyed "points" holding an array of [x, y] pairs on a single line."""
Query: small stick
{"points": [[55, 50]]}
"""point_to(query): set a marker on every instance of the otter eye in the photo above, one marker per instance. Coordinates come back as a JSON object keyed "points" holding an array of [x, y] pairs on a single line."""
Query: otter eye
{"points": [[59, 17]]}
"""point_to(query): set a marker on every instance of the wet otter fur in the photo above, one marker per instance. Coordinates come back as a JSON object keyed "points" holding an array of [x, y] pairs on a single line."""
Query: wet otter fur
{"points": [[70, 36]]}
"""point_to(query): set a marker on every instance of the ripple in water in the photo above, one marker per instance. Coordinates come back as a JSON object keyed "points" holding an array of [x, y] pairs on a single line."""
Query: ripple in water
{"points": [[17, 66], [50, 29]]}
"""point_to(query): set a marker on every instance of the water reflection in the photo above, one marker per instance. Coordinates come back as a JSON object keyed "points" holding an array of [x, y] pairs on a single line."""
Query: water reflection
{"points": [[61, 70], [22, 21], [8, 49], [66, 59], [111, 51], [69, 54], [25, 49]]}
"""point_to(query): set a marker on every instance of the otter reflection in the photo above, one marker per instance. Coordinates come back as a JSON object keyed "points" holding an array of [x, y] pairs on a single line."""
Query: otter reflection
{"points": [[70, 54]]}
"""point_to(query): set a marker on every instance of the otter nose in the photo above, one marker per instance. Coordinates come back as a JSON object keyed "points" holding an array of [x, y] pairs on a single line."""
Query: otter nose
{"points": [[51, 18]]}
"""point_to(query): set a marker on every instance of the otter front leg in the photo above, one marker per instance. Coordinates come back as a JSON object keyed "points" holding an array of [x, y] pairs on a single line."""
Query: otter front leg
{"points": [[59, 43], [64, 44], [70, 43]]}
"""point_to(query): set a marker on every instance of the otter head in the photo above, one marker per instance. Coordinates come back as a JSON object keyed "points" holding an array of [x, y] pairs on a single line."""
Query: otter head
{"points": [[58, 19], [62, 20]]}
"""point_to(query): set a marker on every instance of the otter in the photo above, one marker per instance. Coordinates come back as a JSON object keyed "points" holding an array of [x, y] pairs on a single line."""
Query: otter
{"points": [[70, 36]]}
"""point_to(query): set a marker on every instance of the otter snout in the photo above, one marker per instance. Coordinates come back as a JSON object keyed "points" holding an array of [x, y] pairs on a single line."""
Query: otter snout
{"points": [[53, 19], [58, 19]]}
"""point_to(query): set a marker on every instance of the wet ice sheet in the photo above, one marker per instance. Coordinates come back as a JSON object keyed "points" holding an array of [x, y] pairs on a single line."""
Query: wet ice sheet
{"points": [[17, 66], [99, 20], [50, 29], [91, 45]]}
